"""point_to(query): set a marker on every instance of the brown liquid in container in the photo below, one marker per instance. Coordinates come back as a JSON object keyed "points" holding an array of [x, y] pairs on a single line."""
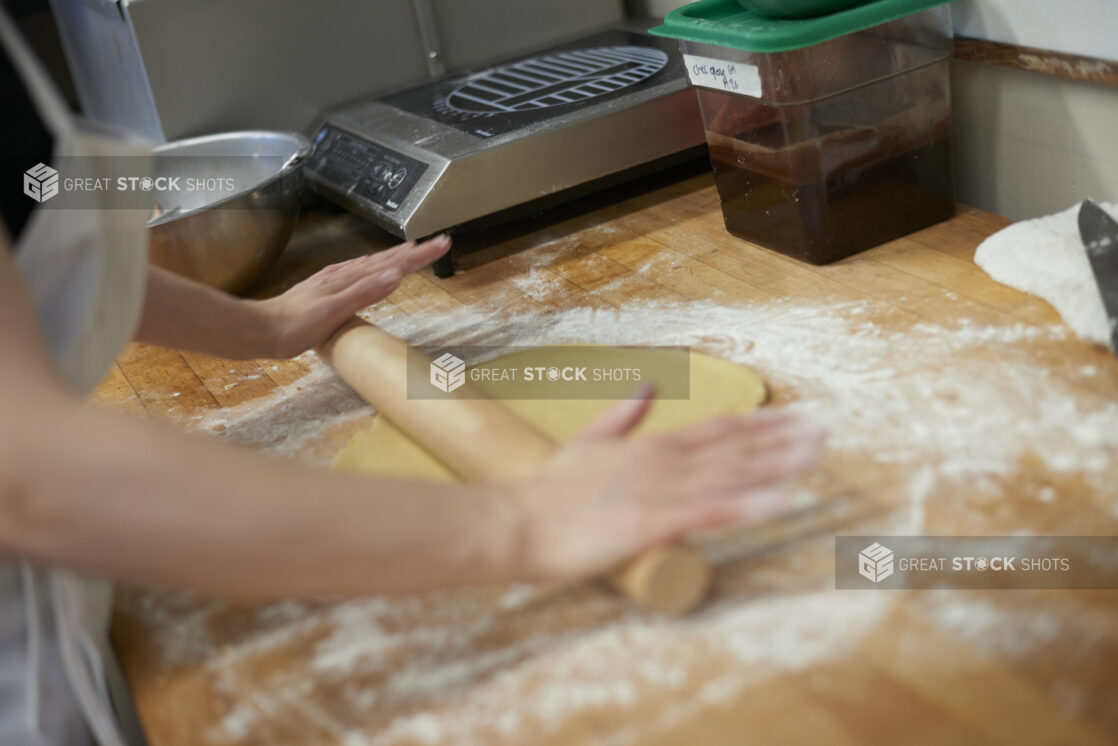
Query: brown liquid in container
{"points": [[850, 212], [827, 179]]}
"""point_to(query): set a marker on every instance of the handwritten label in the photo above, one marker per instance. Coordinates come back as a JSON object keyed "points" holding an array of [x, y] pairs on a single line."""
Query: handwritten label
{"points": [[721, 75]]}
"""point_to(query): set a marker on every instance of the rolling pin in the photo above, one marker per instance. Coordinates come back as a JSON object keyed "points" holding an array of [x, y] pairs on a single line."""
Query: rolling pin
{"points": [[480, 440]]}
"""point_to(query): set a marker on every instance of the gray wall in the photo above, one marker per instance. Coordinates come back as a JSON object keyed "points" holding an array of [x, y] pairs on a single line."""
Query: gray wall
{"points": [[1084, 27], [475, 30], [272, 64], [1028, 144], [216, 65]]}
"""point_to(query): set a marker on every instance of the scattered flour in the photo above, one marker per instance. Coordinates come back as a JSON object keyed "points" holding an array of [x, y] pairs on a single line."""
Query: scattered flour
{"points": [[918, 491], [290, 418], [495, 667], [927, 395], [998, 628], [624, 658]]}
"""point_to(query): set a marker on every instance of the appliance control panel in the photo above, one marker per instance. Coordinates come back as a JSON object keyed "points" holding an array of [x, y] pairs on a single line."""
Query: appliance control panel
{"points": [[355, 165]]}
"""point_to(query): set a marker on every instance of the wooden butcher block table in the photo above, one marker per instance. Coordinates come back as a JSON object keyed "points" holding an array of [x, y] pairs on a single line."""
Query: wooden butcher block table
{"points": [[955, 406]]}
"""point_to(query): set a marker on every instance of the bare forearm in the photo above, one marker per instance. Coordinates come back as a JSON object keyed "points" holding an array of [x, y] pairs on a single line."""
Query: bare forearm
{"points": [[147, 505], [132, 500], [187, 315]]}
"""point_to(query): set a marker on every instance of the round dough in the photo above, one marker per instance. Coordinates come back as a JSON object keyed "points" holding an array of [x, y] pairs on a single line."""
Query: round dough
{"points": [[716, 387]]}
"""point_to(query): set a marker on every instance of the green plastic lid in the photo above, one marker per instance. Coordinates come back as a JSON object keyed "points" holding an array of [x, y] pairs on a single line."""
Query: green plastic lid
{"points": [[726, 23]]}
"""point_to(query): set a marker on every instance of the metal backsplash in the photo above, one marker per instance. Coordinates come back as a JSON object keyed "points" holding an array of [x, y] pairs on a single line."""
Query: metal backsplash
{"points": [[169, 69]]}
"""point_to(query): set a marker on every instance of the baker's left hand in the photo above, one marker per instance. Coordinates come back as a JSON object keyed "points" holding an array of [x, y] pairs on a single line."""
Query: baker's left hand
{"points": [[308, 313]]}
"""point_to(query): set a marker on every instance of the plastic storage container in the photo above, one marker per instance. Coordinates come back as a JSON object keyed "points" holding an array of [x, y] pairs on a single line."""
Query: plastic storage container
{"points": [[828, 136]]}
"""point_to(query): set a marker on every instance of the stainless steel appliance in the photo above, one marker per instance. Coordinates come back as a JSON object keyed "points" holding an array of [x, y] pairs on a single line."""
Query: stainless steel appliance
{"points": [[443, 154]]}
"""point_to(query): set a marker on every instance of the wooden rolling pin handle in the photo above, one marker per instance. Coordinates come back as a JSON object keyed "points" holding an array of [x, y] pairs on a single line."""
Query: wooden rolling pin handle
{"points": [[671, 579], [481, 440]]}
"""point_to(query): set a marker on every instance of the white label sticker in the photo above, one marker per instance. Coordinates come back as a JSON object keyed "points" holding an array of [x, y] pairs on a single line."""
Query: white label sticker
{"points": [[721, 75]]}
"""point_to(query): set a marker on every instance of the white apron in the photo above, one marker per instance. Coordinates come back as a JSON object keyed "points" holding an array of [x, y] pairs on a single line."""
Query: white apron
{"points": [[85, 270]]}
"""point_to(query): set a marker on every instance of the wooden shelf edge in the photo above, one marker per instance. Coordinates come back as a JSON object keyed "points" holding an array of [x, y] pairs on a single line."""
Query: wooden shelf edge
{"points": [[1071, 66]]}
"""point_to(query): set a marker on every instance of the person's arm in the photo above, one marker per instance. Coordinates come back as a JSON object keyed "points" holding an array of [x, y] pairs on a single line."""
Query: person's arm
{"points": [[139, 502], [187, 315]]}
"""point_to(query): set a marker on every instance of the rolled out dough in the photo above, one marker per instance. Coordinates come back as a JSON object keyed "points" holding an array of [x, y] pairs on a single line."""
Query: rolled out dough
{"points": [[716, 387]]}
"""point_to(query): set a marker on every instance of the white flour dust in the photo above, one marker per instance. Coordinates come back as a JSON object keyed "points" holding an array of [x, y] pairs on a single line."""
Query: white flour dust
{"points": [[624, 657], [926, 395], [467, 669], [290, 418]]}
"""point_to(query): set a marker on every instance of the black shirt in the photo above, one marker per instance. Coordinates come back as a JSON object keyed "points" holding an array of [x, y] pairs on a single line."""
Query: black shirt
{"points": [[24, 142]]}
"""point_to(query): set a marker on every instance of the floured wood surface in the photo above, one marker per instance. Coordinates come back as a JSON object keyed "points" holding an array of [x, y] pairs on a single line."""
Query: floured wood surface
{"points": [[955, 405]]}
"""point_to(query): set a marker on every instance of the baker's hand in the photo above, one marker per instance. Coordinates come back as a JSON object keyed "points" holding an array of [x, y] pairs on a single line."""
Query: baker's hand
{"points": [[603, 497], [311, 311]]}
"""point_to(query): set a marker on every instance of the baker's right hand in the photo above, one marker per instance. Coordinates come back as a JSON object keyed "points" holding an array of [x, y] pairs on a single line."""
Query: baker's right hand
{"points": [[604, 497]]}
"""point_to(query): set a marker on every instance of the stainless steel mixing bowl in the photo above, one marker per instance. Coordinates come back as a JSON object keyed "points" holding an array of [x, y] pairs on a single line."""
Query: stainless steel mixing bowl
{"points": [[222, 237]]}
